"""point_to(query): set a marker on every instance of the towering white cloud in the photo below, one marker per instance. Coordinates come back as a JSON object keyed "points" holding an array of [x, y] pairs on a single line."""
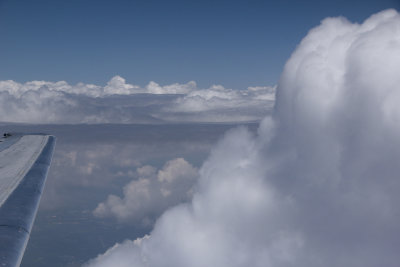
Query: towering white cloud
{"points": [[118, 86], [318, 185]]}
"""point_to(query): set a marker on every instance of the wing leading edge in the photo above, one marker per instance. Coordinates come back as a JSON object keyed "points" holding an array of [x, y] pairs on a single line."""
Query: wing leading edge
{"points": [[24, 163]]}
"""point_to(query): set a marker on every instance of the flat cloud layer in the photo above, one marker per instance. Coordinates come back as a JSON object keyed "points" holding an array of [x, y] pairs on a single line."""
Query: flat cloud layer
{"points": [[318, 185], [120, 102]]}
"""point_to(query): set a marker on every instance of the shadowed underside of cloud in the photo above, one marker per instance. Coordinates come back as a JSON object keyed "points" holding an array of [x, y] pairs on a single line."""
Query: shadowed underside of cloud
{"points": [[318, 185], [120, 102]]}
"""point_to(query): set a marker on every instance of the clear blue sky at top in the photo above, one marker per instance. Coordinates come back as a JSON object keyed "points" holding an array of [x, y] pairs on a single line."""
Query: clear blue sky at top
{"points": [[233, 43]]}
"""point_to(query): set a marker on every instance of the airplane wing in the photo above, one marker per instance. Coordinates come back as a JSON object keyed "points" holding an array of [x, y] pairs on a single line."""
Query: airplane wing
{"points": [[24, 162]]}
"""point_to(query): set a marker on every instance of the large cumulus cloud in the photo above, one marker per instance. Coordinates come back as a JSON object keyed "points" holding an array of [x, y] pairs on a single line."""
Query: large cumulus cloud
{"points": [[121, 102], [318, 185]]}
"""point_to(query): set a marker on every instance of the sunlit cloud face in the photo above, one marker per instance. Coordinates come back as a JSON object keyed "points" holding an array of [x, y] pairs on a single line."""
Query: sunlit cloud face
{"points": [[121, 102], [146, 197], [318, 185]]}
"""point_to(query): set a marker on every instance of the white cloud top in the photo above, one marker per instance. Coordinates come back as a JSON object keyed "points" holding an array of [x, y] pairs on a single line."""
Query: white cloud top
{"points": [[318, 185]]}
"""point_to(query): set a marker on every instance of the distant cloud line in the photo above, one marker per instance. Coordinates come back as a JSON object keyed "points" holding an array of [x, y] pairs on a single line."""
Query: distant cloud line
{"points": [[121, 102]]}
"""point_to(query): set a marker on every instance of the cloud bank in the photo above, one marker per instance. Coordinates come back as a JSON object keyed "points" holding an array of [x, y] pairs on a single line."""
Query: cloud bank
{"points": [[318, 185], [121, 102]]}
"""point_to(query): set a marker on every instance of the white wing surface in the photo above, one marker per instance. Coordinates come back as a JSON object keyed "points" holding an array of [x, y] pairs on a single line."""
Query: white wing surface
{"points": [[24, 163]]}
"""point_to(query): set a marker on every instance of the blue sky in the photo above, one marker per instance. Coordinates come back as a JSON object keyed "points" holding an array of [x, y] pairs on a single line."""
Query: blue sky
{"points": [[233, 43]]}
